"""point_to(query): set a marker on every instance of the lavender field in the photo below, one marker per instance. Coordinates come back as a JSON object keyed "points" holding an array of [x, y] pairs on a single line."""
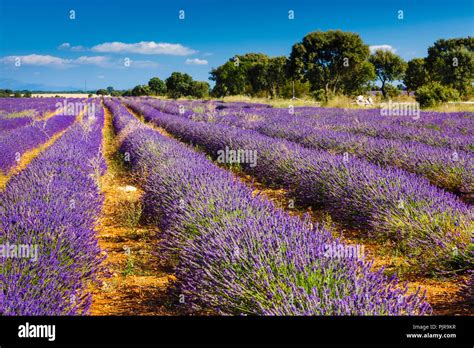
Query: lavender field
{"points": [[147, 206], [236, 173]]}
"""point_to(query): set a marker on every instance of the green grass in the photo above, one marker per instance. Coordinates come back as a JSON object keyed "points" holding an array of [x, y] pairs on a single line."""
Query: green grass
{"points": [[129, 266]]}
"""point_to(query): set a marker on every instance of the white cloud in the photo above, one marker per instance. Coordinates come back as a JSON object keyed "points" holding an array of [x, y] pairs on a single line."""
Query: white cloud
{"points": [[52, 61], [381, 47], [57, 62], [78, 48], [35, 59], [144, 47], [64, 46], [67, 47], [92, 60], [143, 64], [196, 61]]}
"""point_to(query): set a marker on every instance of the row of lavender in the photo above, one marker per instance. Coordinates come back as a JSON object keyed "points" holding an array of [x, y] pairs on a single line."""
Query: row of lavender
{"points": [[238, 254], [15, 143], [49, 211], [426, 122], [11, 106], [430, 225], [435, 123], [199, 106], [16, 113], [455, 133], [448, 169]]}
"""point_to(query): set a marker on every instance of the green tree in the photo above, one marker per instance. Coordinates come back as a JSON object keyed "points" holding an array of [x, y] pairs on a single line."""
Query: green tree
{"points": [[451, 62], [434, 94], [110, 89], [179, 85], [416, 74], [301, 89], [334, 61], [157, 86], [391, 91], [388, 67], [267, 77], [360, 81], [199, 89], [223, 77], [140, 90], [273, 75], [276, 76], [101, 92], [232, 78], [257, 77]]}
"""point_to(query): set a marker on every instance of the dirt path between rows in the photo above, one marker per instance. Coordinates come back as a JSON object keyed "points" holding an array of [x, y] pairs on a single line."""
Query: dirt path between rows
{"points": [[136, 281], [446, 295]]}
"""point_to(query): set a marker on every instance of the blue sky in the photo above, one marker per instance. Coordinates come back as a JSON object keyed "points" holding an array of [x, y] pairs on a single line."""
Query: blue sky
{"points": [[56, 51]]}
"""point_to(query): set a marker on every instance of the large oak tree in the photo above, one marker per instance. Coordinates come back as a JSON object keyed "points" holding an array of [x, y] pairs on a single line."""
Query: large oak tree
{"points": [[334, 61], [451, 62], [388, 67]]}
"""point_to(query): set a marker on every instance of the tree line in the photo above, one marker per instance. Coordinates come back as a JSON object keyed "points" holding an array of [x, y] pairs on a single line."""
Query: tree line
{"points": [[328, 64], [177, 85], [6, 93]]}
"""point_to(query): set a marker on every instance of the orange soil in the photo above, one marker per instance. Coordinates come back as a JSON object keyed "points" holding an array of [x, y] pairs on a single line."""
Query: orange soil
{"points": [[137, 282]]}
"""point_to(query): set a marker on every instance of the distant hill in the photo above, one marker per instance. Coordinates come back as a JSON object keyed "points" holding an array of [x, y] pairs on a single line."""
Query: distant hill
{"points": [[16, 85]]}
